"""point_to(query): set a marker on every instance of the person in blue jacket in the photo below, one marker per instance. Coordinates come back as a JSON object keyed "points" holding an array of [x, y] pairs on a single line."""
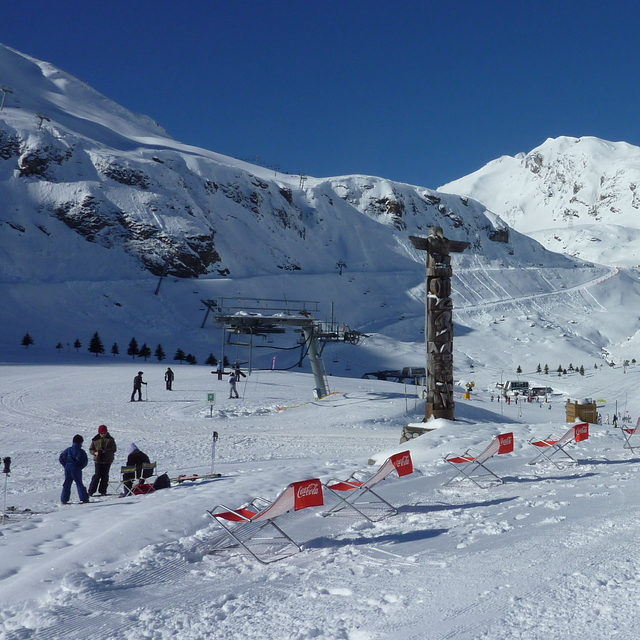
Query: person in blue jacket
{"points": [[74, 460]]}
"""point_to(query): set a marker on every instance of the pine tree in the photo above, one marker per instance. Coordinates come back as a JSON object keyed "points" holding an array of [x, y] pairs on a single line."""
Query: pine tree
{"points": [[77, 344], [133, 348], [225, 362], [95, 345], [539, 369], [559, 369], [144, 352], [546, 369], [581, 370], [114, 349], [190, 359], [59, 347], [179, 356], [26, 341], [211, 361], [519, 370], [159, 353]]}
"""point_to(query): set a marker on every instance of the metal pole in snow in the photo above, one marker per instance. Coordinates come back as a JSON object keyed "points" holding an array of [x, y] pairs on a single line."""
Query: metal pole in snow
{"points": [[214, 440]]}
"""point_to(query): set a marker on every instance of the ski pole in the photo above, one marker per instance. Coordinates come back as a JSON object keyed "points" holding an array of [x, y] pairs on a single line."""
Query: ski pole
{"points": [[6, 471]]}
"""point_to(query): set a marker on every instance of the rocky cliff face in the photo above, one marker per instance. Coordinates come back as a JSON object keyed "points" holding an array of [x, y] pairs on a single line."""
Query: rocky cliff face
{"points": [[117, 180]]}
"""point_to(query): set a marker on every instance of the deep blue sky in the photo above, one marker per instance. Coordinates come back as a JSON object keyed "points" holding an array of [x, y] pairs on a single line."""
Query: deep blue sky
{"points": [[419, 91]]}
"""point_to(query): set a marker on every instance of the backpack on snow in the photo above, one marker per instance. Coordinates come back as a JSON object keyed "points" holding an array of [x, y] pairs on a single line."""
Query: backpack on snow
{"points": [[162, 482]]}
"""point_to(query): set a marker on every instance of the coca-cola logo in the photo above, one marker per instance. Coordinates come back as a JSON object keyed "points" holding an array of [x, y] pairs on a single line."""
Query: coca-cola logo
{"points": [[403, 461], [311, 489]]}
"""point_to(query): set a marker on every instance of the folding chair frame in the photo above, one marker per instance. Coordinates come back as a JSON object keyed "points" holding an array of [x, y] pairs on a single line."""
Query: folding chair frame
{"points": [[148, 470], [473, 460], [556, 444], [243, 525], [627, 434], [361, 489]]}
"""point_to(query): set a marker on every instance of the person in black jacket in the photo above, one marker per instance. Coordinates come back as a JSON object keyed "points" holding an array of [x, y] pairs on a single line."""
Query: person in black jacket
{"points": [[136, 458], [169, 377], [137, 387]]}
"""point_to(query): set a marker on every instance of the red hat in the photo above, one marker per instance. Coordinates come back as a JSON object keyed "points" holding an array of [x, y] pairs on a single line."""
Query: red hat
{"points": [[102, 429]]}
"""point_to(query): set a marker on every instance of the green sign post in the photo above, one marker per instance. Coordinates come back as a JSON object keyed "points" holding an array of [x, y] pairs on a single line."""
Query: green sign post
{"points": [[211, 399]]}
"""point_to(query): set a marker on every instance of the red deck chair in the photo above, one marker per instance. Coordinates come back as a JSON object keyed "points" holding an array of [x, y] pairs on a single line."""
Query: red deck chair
{"points": [[471, 464], [356, 492], [627, 432], [248, 525], [555, 444]]}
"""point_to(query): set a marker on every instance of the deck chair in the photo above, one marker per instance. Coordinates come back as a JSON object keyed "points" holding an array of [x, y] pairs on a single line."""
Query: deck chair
{"points": [[129, 474], [249, 525], [471, 464], [627, 433], [555, 444], [356, 492]]}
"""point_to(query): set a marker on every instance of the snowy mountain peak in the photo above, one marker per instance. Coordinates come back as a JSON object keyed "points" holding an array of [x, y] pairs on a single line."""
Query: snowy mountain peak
{"points": [[575, 195]]}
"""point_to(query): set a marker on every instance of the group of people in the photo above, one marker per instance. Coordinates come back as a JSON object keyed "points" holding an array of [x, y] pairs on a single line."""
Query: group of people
{"points": [[103, 449], [169, 377], [234, 376]]}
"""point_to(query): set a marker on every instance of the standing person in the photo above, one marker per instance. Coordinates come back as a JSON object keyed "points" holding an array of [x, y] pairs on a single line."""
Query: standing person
{"points": [[74, 460], [220, 370], [232, 386], [137, 386], [168, 378], [238, 372], [103, 449], [135, 458]]}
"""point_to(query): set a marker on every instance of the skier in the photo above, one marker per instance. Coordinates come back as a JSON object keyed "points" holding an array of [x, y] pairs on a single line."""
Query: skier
{"points": [[74, 460], [220, 370], [232, 386], [238, 372], [168, 378], [102, 448], [137, 386], [135, 458]]}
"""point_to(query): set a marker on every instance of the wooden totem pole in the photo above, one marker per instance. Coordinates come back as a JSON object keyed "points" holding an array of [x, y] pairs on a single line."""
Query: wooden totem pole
{"points": [[439, 322]]}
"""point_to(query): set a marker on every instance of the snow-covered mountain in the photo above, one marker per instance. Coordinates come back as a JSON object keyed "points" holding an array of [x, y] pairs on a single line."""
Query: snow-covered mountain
{"points": [[98, 202], [70, 159], [575, 195]]}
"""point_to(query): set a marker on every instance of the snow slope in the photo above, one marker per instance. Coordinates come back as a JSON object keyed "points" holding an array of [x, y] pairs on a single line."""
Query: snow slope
{"points": [[546, 554]]}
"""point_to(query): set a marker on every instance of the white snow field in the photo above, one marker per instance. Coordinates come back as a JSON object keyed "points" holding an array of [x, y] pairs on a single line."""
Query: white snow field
{"points": [[551, 553]]}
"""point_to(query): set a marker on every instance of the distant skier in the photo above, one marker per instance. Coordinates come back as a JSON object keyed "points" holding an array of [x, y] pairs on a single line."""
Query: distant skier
{"points": [[168, 378], [220, 370], [74, 460], [103, 449], [238, 372], [233, 392], [137, 386]]}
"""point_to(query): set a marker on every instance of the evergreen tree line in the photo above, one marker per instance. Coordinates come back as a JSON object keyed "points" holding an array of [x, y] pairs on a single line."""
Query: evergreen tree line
{"points": [[96, 346]]}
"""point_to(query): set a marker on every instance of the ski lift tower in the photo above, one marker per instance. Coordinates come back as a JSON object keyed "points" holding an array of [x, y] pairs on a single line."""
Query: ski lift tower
{"points": [[439, 322], [260, 317]]}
